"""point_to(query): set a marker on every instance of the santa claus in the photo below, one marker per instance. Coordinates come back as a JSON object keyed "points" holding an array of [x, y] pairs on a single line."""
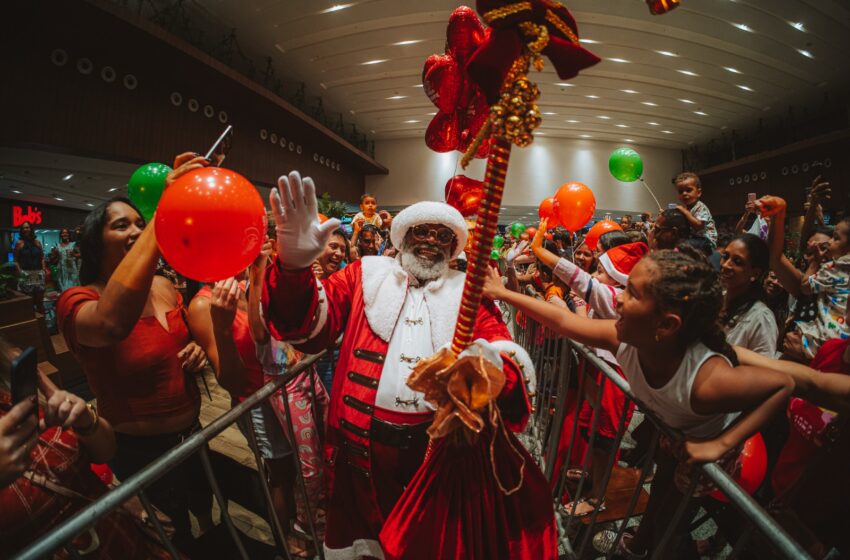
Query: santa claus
{"points": [[393, 312]]}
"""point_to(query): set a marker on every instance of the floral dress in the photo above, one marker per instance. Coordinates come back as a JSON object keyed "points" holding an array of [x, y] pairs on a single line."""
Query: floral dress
{"points": [[68, 269], [831, 287]]}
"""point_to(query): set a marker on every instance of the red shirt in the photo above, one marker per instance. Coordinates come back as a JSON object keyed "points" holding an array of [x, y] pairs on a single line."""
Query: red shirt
{"points": [[807, 420], [246, 348], [140, 377]]}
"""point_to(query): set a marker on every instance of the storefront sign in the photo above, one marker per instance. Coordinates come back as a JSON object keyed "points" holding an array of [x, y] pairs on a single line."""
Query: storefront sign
{"points": [[32, 215]]}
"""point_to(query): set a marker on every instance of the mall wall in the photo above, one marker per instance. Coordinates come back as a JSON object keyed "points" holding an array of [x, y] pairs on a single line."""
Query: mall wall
{"points": [[417, 173]]}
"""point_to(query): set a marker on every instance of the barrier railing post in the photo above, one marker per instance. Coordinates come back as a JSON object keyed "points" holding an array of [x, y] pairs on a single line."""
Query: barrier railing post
{"points": [[222, 503]]}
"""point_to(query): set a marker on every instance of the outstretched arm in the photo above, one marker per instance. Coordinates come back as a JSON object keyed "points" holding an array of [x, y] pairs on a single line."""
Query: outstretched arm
{"points": [[593, 332], [785, 271]]}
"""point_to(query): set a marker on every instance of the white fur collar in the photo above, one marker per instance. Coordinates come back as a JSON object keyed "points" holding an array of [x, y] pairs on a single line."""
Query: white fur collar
{"points": [[385, 287]]}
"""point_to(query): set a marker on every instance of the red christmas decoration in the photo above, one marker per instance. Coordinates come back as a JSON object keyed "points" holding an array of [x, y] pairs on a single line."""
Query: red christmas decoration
{"points": [[658, 7], [464, 194], [461, 107]]}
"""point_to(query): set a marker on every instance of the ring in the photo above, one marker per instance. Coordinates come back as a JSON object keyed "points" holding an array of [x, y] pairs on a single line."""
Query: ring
{"points": [[68, 400]]}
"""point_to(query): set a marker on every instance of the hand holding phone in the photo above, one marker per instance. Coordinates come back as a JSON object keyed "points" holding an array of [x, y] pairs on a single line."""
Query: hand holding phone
{"points": [[218, 151], [25, 376]]}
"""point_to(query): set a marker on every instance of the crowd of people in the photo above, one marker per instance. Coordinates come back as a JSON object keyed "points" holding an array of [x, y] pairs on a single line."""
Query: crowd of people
{"points": [[720, 333]]}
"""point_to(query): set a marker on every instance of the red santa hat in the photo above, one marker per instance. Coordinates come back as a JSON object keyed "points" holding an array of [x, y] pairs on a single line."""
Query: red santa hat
{"points": [[429, 213], [619, 261]]}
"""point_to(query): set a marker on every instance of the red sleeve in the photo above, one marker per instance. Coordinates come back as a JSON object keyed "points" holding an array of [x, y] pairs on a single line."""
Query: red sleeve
{"points": [[304, 312], [67, 308]]}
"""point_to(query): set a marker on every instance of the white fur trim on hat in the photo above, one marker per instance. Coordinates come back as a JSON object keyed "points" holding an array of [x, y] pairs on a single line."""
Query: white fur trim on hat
{"points": [[429, 212], [619, 277]]}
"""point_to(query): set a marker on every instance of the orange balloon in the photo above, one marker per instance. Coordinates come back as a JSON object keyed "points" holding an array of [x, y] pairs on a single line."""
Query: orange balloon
{"points": [[548, 210], [531, 231], [576, 205], [322, 218], [599, 229]]}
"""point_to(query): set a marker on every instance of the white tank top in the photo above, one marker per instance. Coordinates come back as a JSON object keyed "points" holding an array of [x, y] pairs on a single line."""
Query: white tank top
{"points": [[672, 402]]}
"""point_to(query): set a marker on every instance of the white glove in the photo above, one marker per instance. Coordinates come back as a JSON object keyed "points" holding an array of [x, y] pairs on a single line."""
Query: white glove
{"points": [[488, 351], [300, 236]]}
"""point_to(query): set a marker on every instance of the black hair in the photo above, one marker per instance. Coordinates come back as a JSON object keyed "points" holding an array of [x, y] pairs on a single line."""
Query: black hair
{"points": [[369, 227], [759, 256], [364, 196], [90, 243], [675, 219], [611, 239], [823, 230], [21, 228], [685, 282], [347, 245], [562, 236]]}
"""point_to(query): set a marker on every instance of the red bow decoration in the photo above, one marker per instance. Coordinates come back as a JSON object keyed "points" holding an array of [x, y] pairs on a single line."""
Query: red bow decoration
{"points": [[508, 21], [462, 108], [658, 7]]}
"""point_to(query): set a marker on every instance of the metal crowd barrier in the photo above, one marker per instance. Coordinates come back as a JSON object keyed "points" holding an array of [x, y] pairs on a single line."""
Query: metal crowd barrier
{"points": [[197, 443], [562, 368]]}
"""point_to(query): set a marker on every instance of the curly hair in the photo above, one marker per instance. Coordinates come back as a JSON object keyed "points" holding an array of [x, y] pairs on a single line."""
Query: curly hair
{"points": [[759, 256], [685, 283]]}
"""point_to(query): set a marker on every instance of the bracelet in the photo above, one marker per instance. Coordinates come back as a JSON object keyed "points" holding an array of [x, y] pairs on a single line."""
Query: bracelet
{"points": [[95, 420]]}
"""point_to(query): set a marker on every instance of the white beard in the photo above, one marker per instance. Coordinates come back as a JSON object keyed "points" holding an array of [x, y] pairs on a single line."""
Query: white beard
{"points": [[423, 270]]}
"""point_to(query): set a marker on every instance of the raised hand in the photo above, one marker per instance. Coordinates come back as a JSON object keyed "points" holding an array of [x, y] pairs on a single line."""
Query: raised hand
{"points": [[770, 205], [184, 163], [300, 236], [224, 302]]}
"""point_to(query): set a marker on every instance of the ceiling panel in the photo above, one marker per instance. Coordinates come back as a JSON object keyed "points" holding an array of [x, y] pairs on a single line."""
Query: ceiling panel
{"points": [[667, 81]]}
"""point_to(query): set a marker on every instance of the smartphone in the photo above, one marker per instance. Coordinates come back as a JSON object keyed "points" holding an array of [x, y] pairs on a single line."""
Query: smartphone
{"points": [[24, 375], [221, 146], [751, 197]]}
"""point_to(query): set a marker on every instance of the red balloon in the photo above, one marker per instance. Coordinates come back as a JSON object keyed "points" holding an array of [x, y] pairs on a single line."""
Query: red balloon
{"points": [[548, 236], [598, 229], [753, 466], [531, 231], [443, 132], [576, 205], [548, 210], [464, 33], [465, 194], [210, 224], [443, 81]]}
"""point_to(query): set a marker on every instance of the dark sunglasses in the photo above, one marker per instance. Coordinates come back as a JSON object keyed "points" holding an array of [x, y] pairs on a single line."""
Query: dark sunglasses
{"points": [[443, 235]]}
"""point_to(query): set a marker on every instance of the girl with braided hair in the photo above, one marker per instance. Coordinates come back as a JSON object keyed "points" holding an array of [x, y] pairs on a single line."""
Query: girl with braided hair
{"points": [[674, 355]]}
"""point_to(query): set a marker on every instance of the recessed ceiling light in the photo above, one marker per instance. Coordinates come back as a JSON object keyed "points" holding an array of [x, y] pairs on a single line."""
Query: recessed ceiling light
{"points": [[798, 25], [564, 84], [629, 91], [603, 117], [743, 27], [432, 114], [549, 113], [687, 72], [745, 88], [540, 133], [376, 61], [585, 136], [649, 103], [688, 101], [89, 204], [68, 177], [573, 121], [588, 41], [113, 189], [408, 42], [667, 53], [730, 69], [417, 85], [667, 131], [701, 113], [335, 8], [16, 191], [59, 199], [411, 121], [618, 60], [396, 97], [592, 96], [651, 123], [627, 140], [805, 53], [621, 125]]}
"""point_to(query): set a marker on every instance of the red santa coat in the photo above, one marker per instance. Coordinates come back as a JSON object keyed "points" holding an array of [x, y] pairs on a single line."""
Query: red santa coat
{"points": [[364, 301]]}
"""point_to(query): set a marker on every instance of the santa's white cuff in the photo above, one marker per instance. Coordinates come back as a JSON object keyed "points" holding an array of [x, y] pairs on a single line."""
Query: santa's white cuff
{"points": [[488, 351]]}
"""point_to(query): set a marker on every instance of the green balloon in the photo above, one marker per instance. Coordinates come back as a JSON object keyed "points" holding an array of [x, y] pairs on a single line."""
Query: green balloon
{"points": [[516, 229], [146, 186], [498, 242], [495, 255], [625, 165]]}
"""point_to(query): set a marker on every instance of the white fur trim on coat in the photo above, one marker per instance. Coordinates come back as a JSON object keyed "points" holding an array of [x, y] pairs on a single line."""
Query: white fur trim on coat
{"points": [[429, 212], [321, 315], [518, 354], [385, 287], [358, 549]]}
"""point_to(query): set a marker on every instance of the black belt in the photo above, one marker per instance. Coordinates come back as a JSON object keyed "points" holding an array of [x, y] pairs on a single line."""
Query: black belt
{"points": [[397, 435]]}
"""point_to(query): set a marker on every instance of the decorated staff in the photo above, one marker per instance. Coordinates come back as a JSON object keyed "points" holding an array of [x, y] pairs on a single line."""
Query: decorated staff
{"points": [[471, 452]]}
